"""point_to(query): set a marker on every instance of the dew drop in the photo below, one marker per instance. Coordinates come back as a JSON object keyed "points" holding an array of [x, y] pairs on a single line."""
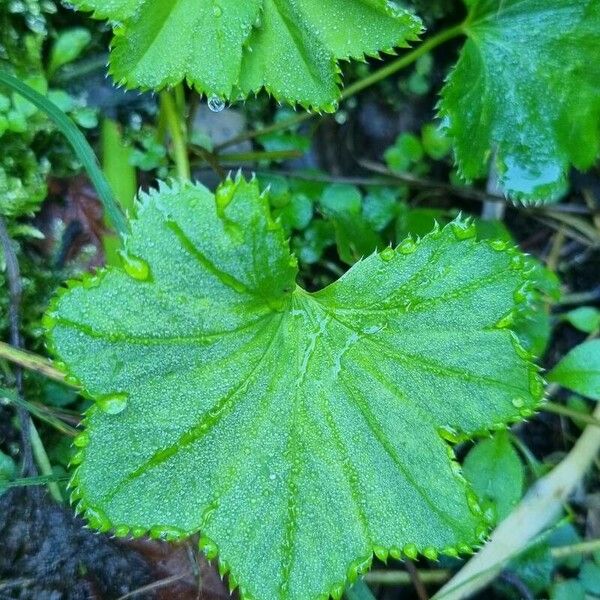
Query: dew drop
{"points": [[337, 590], [381, 553], [216, 104], [121, 531], [97, 519], [395, 553], [450, 435], [113, 404], [82, 440], [387, 254], [217, 11], [536, 385], [77, 458], [411, 551], [209, 547], [473, 503], [464, 230], [430, 552], [408, 246], [136, 268], [138, 532], [521, 294], [498, 245], [518, 402]]}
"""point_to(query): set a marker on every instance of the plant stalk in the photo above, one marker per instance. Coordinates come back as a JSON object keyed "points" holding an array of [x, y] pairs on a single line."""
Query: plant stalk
{"points": [[41, 458], [355, 88], [176, 129], [30, 361]]}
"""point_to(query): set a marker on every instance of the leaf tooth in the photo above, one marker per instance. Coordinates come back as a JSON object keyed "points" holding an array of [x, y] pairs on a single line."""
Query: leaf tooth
{"points": [[208, 547], [121, 531], [430, 553], [336, 591], [411, 551], [381, 553]]}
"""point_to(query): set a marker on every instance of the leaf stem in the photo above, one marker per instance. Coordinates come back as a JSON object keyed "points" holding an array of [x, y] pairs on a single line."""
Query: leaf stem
{"points": [[80, 145], [355, 88], [587, 547], [42, 413], [30, 361], [404, 61], [397, 577], [576, 415], [177, 131], [41, 458]]}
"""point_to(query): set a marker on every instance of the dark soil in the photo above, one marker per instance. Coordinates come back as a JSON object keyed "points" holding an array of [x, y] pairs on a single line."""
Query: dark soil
{"points": [[47, 554]]}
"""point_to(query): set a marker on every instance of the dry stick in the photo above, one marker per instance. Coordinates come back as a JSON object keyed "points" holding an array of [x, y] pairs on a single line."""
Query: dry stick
{"points": [[416, 580], [539, 509], [466, 192], [13, 276], [154, 586]]}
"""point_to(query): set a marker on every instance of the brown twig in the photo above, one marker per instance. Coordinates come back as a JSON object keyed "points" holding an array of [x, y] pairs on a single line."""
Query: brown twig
{"points": [[153, 586], [13, 276], [416, 580]]}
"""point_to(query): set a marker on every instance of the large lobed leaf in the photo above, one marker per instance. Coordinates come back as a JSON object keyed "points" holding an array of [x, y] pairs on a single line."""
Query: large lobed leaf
{"points": [[232, 48], [526, 93], [299, 432]]}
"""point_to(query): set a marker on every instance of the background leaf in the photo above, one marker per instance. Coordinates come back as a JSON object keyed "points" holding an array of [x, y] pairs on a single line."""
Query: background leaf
{"points": [[526, 94], [579, 370], [236, 48], [494, 469]]}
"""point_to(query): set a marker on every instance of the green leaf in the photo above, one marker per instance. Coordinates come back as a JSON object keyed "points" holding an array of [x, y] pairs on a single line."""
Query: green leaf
{"points": [[569, 589], [526, 93], [232, 48], [494, 469], [590, 577], [579, 370], [67, 47], [354, 235], [584, 318], [8, 470], [298, 432]]}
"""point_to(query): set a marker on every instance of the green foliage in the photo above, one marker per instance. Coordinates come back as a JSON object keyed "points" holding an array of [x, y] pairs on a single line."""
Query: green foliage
{"points": [[68, 46], [525, 93], [494, 469], [233, 49], [25, 160], [579, 370], [584, 318], [8, 470], [230, 401]]}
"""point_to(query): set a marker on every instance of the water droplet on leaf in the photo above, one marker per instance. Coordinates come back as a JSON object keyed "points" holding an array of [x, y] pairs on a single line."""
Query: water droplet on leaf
{"points": [[216, 104], [113, 404]]}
